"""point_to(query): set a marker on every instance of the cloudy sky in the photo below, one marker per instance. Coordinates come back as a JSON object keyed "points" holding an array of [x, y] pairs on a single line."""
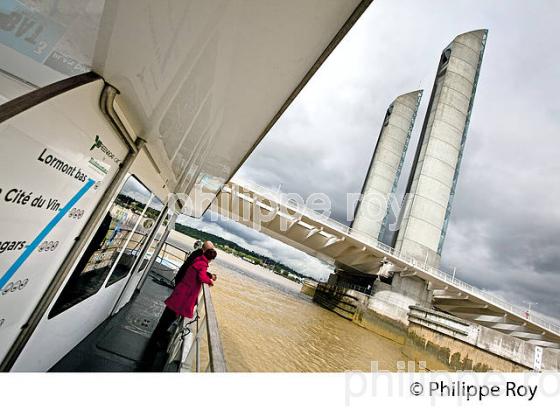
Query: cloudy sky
{"points": [[504, 233]]}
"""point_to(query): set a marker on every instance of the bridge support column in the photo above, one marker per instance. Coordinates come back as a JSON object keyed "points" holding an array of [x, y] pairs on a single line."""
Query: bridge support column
{"points": [[350, 280], [392, 301], [387, 300], [333, 279]]}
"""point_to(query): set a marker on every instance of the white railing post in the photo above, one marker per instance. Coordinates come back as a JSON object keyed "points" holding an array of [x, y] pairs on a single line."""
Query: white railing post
{"points": [[197, 340]]}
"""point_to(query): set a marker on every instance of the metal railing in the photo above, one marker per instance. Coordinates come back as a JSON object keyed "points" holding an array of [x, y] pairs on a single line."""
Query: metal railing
{"points": [[196, 344], [299, 210]]}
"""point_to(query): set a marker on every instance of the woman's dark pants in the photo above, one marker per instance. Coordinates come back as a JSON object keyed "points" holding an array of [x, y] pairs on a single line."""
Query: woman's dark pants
{"points": [[166, 319], [158, 341]]}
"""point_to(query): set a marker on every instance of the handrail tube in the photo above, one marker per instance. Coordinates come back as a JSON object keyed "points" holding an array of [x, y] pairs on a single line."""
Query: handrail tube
{"points": [[217, 357], [189, 334], [157, 248]]}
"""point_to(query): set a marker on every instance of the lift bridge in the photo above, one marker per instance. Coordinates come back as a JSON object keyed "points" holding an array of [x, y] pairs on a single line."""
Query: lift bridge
{"points": [[336, 243]]}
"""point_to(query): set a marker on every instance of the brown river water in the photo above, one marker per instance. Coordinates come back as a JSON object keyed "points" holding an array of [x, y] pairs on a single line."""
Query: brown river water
{"points": [[266, 325]]}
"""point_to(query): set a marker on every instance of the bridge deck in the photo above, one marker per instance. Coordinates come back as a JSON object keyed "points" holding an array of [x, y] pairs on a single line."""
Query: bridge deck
{"points": [[317, 235]]}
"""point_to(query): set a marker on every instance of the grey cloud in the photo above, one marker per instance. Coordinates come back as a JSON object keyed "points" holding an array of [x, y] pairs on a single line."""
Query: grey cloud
{"points": [[505, 226]]}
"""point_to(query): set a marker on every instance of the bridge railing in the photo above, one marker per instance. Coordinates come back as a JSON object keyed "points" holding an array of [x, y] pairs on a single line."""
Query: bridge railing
{"points": [[299, 209]]}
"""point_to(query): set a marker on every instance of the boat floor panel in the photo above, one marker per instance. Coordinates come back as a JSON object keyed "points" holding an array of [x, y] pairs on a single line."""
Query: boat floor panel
{"points": [[119, 344]]}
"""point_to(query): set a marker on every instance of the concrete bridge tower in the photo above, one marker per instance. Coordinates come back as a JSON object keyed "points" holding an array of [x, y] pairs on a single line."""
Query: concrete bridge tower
{"points": [[435, 170], [372, 211]]}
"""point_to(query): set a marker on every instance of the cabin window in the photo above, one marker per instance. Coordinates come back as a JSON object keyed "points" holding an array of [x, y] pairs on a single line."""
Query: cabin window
{"points": [[388, 115], [113, 249], [444, 61], [137, 201]]}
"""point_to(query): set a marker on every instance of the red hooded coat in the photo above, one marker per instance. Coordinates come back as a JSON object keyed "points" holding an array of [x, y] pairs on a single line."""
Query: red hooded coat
{"points": [[183, 299]]}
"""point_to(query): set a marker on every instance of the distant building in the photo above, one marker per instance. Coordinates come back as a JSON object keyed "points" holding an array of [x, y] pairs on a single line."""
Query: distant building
{"points": [[249, 260], [294, 277]]}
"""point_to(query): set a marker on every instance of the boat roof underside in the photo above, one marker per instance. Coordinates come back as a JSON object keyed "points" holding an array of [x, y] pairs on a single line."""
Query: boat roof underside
{"points": [[203, 82]]}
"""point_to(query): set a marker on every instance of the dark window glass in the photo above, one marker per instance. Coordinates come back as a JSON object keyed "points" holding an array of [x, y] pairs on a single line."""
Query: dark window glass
{"points": [[388, 115], [132, 203], [444, 61], [114, 247]]}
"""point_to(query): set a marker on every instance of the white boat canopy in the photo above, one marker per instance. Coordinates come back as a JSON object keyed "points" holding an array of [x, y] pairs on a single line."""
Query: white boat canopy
{"points": [[201, 81]]}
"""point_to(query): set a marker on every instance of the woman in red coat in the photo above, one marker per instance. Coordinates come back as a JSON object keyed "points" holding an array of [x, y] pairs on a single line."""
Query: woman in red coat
{"points": [[185, 296], [183, 299]]}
